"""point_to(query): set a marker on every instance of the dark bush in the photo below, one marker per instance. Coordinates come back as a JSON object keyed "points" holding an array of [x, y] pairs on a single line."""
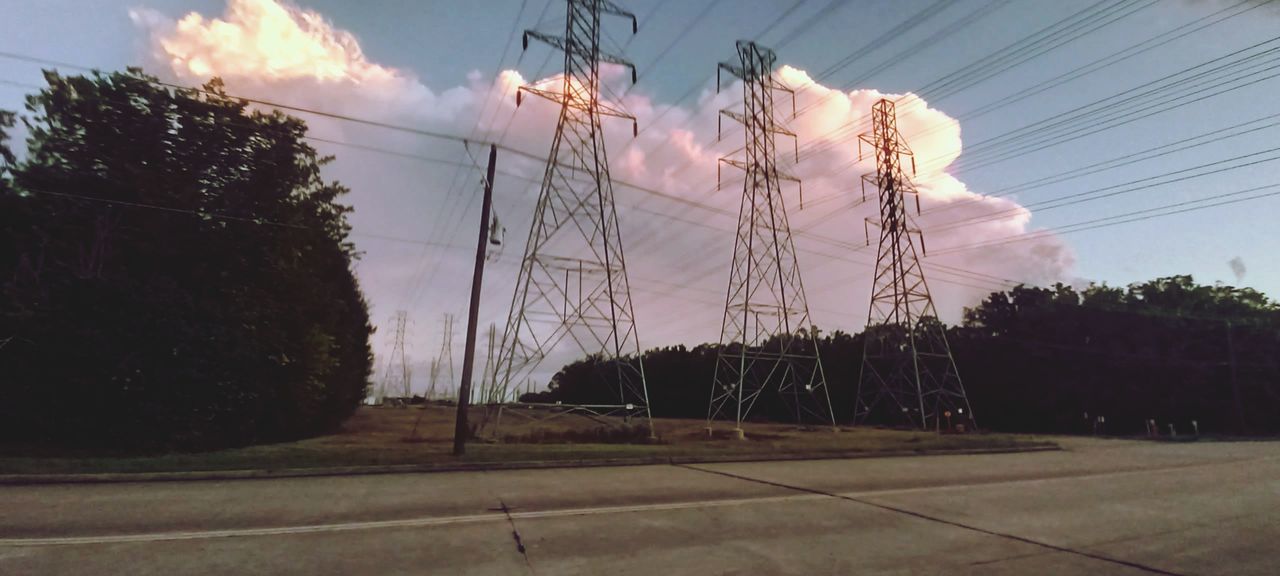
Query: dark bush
{"points": [[174, 274]]}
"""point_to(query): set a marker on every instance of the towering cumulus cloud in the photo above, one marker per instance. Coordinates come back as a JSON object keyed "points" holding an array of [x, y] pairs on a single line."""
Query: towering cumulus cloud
{"points": [[679, 249]]}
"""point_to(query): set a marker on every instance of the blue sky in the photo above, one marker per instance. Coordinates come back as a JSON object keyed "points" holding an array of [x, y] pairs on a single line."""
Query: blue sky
{"points": [[444, 44]]}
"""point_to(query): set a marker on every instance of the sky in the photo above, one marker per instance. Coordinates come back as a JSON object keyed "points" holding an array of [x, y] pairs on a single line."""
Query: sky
{"points": [[985, 159]]}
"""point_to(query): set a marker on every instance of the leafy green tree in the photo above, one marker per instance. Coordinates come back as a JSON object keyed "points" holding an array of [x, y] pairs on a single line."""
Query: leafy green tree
{"points": [[176, 273]]}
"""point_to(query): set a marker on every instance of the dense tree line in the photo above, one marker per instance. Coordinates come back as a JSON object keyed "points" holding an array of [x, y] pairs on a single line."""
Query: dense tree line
{"points": [[174, 273], [1046, 360], [1040, 359]]}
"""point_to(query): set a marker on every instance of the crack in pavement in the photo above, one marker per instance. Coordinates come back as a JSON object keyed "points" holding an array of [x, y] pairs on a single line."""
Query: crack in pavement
{"points": [[515, 534], [953, 523]]}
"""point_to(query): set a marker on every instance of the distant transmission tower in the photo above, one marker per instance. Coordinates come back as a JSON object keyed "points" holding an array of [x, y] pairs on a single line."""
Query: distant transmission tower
{"points": [[435, 376], [573, 280], [395, 379], [445, 359], [766, 338], [908, 373], [489, 390]]}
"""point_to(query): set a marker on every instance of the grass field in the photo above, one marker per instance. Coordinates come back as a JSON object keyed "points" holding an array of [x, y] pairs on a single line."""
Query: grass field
{"points": [[376, 436]]}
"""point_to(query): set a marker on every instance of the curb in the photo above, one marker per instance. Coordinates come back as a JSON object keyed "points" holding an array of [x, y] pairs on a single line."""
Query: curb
{"points": [[266, 474]]}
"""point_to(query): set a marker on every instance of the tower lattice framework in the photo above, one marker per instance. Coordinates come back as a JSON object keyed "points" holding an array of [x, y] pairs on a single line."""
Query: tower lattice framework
{"points": [[908, 374], [572, 284], [432, 392], [766, 339], [395, 378], [444, 361]]}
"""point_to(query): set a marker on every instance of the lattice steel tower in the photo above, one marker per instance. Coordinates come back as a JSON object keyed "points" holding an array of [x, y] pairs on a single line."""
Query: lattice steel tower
{"points": [[908, 373], [435, 376], [395, 378], [573, 280], [444, 361], [766, 338]]}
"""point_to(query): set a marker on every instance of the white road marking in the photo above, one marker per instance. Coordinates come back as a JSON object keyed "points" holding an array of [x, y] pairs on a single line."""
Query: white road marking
{"points": [[517, 515], [381, 524]]}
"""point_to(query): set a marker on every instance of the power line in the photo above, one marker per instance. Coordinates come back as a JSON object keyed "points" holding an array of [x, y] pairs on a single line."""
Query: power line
{"points": [[908, 24], [916, 48], [264, 222], [687, 285], [309, 110], [224, 217], [699, 83], [1042, 130], [889, 35], [826, 11], [347, 117], [1034, 43], [1118, 189], [681, 35], [1116, 57], [447, 214], [851, 130], [1126, 218], [1117, 162], [1110, 118], [1015, 55], [259, 101], [429, 243]]}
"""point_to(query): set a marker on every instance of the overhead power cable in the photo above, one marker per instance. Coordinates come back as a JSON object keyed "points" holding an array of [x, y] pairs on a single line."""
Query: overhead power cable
{"points": [[1181, 145], [1198, 171], [847, 133], [1126, 218]]}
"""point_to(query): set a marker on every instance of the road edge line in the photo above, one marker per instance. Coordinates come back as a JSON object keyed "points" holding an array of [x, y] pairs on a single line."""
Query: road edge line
{"points": [[267, 474]]}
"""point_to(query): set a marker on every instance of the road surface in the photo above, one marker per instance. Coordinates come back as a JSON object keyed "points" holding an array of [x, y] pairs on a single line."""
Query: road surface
{"points": [[1100, 507]]}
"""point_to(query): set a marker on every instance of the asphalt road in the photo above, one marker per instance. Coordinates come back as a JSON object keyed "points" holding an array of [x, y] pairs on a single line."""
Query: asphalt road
{"points": [[1101, 507]]}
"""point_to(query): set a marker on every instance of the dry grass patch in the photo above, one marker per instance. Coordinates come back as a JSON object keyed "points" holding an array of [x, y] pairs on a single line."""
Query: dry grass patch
{"points": [[376, 436]]}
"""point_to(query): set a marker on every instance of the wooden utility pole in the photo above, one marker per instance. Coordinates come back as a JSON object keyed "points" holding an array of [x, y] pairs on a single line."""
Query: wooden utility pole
{"points": [[460, 429]]}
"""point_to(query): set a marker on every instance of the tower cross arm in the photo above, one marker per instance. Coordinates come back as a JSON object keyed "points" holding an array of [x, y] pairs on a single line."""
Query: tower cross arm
{"points": [[736, 70], [559, 43], [601, 108], [742, 119], [607, 7], [775, 84]]}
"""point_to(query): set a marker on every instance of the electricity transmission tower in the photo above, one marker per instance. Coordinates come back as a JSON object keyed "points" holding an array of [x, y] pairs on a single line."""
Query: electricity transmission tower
{"points": [[444, 361], [488, 385], [395, 379], [766, 338], [908, 373], [435, 376], [573, 280]]}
